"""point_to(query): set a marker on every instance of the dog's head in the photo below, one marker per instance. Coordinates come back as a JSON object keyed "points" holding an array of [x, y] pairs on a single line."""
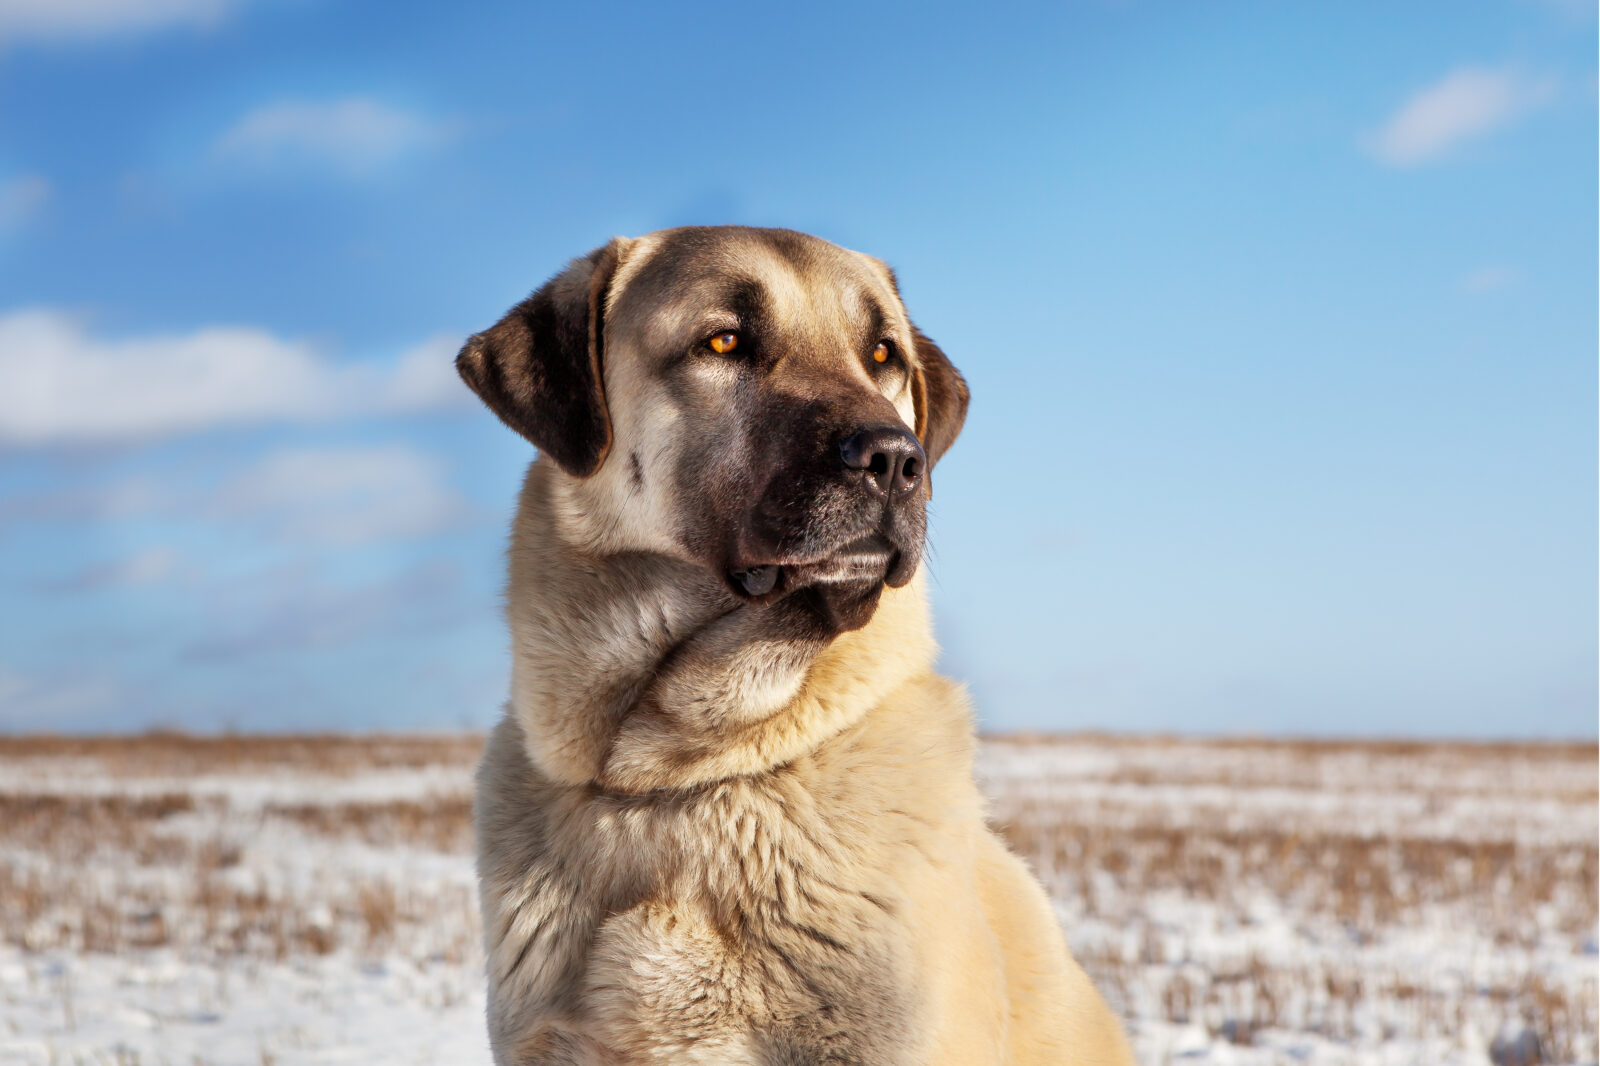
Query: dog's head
{"points": [[755, 402]]}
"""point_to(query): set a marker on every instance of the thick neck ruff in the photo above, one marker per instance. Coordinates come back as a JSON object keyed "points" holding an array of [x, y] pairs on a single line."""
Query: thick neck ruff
{"points": [[637, 672]]}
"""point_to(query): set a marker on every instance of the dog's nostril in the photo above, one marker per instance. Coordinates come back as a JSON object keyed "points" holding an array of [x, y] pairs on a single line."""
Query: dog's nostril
{"points": [[912, 470], [879, 465]]}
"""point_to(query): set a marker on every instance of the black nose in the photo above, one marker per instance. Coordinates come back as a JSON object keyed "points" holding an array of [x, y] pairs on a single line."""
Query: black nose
{"points": [[890, 456]]}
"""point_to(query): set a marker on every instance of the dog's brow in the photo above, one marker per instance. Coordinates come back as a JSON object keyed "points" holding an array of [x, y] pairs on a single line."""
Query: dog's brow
{"points": [[791, 295], [747, 298], [877, 320], [743, 298]]}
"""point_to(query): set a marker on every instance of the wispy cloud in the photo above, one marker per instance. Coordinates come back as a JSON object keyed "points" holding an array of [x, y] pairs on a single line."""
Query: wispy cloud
{"points": [[1467, 103], [302, 612], [307, 496], [35, 702], [79, 502], [1577, 12], [79, 20], [141, 568], [1489, 278], [354, 136], [22, 198], [64, 386], [351, 495], [425, 378]]}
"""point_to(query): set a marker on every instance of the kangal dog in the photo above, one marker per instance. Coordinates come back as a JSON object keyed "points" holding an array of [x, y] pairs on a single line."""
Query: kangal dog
{"points": [[729, 816]]}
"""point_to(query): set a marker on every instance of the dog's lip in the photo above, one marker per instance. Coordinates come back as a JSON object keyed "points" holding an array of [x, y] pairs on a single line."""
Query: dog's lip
{"points": [[862, 560]]}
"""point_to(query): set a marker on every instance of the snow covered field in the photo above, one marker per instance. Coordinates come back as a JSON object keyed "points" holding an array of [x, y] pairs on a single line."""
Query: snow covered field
{"points": [[278, 901]]}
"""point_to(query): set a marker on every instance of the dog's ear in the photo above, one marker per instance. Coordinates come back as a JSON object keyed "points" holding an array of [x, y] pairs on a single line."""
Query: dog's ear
{"points": [[539, 367], [940, 394]]}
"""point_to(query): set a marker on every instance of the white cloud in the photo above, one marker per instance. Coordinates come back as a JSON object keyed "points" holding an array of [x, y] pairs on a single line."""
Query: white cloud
{"points": [[69, 20], [338, 495], [64, 386], [305, 609], [1468, 102], [118, 500], [21, 199], [147, 567], [425, 376], [354, 136], [1488, 279], [43, 704], [1571, 11], [353, 495]]}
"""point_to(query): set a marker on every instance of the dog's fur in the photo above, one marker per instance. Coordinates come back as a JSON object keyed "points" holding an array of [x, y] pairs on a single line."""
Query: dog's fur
{"points": [[722, 824]]}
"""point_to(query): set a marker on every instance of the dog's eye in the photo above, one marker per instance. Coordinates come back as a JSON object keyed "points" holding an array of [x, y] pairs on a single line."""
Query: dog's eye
{"points": [[881, 353], [723, 343]]}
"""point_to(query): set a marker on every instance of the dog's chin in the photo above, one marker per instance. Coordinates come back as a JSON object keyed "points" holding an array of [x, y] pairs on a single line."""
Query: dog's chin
{"points": [[839, 607], [841, 587]]}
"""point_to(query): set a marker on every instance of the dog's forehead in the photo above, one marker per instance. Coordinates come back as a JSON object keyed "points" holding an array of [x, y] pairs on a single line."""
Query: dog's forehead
{"points": [[671, 278]]}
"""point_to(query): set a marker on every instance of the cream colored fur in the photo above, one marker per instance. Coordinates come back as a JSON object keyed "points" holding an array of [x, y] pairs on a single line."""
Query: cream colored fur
{"points": [[672, 875], [704, 839]]}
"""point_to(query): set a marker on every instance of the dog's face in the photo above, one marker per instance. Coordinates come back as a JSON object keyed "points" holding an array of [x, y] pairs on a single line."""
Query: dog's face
{"points": [[755, 402]]}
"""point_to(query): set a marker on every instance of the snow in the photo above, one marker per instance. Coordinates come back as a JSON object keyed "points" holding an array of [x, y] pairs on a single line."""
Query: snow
{"points": [[1239, 902]]}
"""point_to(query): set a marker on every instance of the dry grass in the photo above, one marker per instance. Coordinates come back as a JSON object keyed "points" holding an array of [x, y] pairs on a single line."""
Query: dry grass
{"points": [[1171, 861], [135, 869], [1366, 886], [1365, 883], [442, 825], [1404, 747], [173, 754], [1422, 890]]}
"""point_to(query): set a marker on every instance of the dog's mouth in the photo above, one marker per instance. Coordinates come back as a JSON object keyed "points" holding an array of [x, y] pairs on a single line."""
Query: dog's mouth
{"points": [[867, 561]]}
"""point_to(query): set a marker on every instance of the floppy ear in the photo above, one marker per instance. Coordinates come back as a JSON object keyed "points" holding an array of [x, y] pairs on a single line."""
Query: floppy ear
{"points": [[538, 368], [940, 394]]}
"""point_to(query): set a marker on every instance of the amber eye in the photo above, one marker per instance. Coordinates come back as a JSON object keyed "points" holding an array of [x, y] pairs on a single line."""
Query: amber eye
{"points": [[723, 343], [880, 354]]}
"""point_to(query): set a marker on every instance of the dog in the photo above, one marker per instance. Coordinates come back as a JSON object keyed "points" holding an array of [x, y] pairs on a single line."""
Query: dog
{"points": [[729, 815]]}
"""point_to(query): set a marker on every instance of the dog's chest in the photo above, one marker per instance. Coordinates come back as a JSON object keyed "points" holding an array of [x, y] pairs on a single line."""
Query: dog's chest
{"points": [[766, 936]]}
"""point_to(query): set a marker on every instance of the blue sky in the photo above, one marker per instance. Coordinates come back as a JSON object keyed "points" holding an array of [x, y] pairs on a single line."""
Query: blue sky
{"points": [[1280, 321]]}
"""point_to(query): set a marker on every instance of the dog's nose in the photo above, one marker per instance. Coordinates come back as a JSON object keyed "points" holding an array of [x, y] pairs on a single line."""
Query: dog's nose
{"points": [[890, 456]]}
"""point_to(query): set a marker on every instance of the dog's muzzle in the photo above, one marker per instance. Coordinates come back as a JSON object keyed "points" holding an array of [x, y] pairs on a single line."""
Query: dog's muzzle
{"points": [[861, 527]]}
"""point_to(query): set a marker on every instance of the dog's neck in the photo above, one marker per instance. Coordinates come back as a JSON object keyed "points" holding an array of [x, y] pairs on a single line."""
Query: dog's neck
{"points": [[638, 671]]}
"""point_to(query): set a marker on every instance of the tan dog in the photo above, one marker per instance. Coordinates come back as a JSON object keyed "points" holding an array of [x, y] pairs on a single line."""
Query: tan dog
{"points": [[730, 815]]}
